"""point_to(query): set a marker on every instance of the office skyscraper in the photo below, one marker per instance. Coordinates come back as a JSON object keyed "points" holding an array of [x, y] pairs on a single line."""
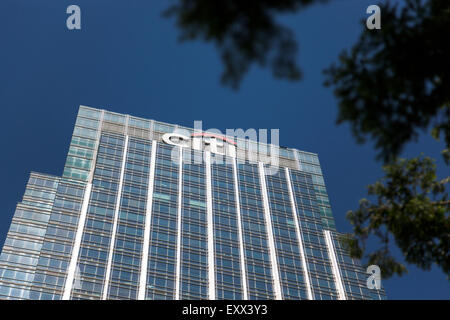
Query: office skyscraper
{"points": [[149, 210]]}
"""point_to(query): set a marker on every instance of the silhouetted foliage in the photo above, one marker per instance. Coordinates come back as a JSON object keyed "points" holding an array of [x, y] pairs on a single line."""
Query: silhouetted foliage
{"points": [[412, 207], [245, 32], [393, 83], [396, 81]]}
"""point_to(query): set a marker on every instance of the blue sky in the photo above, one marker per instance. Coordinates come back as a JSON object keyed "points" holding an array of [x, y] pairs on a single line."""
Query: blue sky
{"points": [[127, 59]]}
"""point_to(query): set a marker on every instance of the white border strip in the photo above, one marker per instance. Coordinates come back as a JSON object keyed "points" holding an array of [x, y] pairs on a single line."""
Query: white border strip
{"points": [[334, 264], [148, 220], [272, 253], [241, 240], [116, 218], [180, 199], [299, 235], [77, 243], [209, 216]]}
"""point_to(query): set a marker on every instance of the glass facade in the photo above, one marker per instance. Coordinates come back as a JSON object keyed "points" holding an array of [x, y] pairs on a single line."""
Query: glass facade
{"points": [[134, 216]]}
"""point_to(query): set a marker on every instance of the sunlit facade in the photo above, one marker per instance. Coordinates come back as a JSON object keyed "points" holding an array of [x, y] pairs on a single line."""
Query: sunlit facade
{"points": [[135, 217]]}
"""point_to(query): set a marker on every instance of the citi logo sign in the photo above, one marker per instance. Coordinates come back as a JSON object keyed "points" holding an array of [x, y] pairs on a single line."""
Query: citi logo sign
{"points": [[214, 143], [251, 145]]}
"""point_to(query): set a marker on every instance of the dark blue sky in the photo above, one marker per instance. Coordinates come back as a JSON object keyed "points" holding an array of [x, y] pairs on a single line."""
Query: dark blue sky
{"points": [[127, 59]]}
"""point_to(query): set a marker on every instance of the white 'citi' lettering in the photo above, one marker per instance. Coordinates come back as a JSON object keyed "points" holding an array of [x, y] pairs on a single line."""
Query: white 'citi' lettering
{"points": [[214, 142]]}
